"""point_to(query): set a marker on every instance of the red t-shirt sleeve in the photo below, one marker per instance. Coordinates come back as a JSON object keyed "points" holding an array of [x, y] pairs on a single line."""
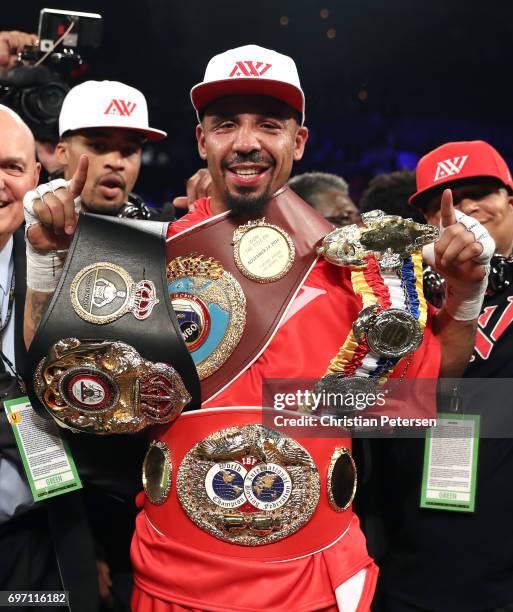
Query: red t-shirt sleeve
{"points": [[313, 330], [200, 212]]}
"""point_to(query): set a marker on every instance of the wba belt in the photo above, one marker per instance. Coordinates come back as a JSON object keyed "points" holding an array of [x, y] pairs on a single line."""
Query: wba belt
{"points": [[108, 356], [246, 490], [230, 284]]}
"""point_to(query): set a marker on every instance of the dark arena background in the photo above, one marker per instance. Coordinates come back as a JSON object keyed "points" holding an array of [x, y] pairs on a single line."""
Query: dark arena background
{"points": [[385, 81]]}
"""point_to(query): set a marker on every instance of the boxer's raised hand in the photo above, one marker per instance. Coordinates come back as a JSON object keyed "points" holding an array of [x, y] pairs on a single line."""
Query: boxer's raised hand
{"points": [[462, 256], [464, 247], [51, 211]]}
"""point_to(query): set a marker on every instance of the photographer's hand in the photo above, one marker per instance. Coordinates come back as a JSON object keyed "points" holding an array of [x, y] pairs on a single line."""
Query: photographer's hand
{"points": [[11, 43]]}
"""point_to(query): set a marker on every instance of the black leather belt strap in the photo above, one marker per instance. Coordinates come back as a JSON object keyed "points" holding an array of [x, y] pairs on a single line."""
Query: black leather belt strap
{"points": [[139, 248], [112, 463]]}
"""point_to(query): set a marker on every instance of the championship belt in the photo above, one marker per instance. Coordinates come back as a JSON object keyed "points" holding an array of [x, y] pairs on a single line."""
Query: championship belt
{"points": [[213, 486], [108, 356], [222, 273], [385, 259]]}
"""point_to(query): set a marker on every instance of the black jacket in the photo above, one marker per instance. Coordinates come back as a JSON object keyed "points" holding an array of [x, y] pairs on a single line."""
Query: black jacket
{"points": [[66, 514], [7, 389]]}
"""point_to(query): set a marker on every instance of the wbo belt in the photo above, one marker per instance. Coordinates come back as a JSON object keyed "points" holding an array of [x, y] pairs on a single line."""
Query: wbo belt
{"points": [[247, 490], [222, 271], [108, 356]]}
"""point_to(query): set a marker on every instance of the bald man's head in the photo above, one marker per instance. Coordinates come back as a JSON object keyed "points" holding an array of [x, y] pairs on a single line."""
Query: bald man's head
{"points": [[19, 171]]}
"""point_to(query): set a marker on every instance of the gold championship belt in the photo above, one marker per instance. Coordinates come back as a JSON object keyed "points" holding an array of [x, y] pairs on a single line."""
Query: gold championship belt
{"points": [[106, 387], [263, 252], [385, 259], [388, 238], [103, 292], [248, 485], [221, 273], [210, 307], [108, 356]]}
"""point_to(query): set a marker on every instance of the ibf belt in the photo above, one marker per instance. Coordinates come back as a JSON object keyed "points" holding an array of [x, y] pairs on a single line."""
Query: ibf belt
{"points": [[248, 485], [213, 487], [108, 356], [221, 272]]}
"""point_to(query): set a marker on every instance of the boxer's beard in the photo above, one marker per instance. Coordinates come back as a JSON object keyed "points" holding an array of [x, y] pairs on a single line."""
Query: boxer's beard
{"points": [[251, 207], [245, 204]]}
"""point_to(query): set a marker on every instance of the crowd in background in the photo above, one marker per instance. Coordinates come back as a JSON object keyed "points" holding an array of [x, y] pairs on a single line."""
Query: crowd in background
{"points": [[360, 150]]}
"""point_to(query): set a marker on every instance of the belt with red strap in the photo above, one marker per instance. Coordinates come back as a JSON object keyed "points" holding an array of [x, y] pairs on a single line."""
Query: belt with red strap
{"points": [[222, 481]]}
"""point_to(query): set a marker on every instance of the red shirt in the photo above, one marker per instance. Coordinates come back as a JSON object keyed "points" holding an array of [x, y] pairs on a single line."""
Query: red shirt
{"points": [[316, 325], [170, 575]]}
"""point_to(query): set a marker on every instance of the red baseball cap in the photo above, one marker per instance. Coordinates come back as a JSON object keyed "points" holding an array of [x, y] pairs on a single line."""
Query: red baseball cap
{"points": [[456, 162]]}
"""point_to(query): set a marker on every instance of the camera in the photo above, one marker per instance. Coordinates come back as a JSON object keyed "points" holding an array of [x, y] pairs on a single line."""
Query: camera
{"points": [[36, 87]]}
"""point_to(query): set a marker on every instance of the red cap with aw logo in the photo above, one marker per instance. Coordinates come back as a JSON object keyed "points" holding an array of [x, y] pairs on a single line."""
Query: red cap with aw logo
{"points": [[456, 162], [250, 70]]}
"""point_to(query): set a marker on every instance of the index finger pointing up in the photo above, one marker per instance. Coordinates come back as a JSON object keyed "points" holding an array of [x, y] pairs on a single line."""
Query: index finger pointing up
{"points": [[78, 180], [447, 214]]}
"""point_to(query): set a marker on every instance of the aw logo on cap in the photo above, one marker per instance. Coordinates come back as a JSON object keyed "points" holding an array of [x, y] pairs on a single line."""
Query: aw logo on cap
{"points": [[120, 108], [450, 167], [249, 69]]}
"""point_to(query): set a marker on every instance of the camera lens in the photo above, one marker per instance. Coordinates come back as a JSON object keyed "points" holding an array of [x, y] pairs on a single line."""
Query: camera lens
{"points": [[43, 104], [50, 98]]}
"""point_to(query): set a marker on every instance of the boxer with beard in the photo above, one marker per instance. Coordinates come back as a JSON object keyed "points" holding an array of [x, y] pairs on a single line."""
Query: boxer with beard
{"points": [[251, 129]]}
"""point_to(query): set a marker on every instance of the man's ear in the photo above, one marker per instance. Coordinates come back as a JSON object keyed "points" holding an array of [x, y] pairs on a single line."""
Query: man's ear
{"points": [[37, 170], [200, 137], [300, 142], [61, 153]]}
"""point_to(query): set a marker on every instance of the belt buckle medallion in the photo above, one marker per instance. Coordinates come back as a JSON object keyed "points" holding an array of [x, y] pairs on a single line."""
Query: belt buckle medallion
{"points": [[248, 485]]}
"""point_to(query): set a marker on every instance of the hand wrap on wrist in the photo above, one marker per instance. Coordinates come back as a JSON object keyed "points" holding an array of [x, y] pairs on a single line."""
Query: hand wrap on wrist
{"points": [[43, 269], [463, 300]]}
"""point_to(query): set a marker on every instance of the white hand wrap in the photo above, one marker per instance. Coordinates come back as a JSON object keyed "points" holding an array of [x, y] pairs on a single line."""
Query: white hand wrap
{"points": [[43, 269], [38, 194], [463, 301], [480, 234]]}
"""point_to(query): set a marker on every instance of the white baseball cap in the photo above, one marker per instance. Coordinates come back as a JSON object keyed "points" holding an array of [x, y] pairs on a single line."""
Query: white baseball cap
{"points": [[106, 104], [250, 70]]}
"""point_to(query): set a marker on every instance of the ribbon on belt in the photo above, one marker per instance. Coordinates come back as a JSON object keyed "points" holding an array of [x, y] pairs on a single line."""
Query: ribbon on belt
{"points": [[385, 258], [216, 283], [108, 356]]}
